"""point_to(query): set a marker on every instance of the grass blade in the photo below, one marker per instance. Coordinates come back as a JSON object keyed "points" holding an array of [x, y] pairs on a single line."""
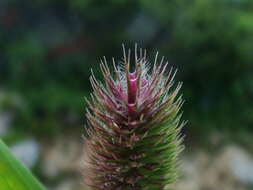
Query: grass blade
{"points": [[13, 174]]}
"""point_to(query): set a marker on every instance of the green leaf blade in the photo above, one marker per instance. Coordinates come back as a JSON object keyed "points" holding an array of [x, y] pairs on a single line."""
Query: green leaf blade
{"points": [[13, 174]]}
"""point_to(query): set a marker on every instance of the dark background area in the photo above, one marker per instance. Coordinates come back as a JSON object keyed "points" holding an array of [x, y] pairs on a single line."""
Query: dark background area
{"points": [[47, 49]]}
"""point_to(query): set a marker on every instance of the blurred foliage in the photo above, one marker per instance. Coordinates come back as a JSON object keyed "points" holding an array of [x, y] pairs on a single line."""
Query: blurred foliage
{"points": [[14, 175], [48, 48]]}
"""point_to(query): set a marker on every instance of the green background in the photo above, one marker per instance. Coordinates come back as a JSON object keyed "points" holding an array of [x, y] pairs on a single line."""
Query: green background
{"points": [[47, 48]]}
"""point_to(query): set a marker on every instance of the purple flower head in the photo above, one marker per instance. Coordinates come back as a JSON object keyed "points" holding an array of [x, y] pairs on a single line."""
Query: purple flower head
{"points": [[134, 123]]}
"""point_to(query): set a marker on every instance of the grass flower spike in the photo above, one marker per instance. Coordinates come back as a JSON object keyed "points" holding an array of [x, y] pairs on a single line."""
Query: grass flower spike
{"points": [[134, 124]]}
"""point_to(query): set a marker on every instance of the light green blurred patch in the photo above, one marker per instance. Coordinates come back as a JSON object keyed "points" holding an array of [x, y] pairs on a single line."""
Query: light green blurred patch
{"points": [[13, 174]]}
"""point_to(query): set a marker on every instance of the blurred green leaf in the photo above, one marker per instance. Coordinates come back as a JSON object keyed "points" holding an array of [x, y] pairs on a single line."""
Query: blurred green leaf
{"points": [[13, 174]]}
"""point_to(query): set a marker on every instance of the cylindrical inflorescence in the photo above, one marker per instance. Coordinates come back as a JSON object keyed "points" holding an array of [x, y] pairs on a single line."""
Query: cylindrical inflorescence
{"points": [[133, 138]]}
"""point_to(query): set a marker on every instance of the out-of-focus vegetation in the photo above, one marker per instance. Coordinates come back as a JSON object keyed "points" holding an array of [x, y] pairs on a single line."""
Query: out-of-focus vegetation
{"points": [[14, 175], [48, 47]]}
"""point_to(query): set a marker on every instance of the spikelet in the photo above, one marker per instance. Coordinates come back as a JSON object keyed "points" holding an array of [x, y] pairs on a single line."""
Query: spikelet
{"points": [[133, 138]]}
